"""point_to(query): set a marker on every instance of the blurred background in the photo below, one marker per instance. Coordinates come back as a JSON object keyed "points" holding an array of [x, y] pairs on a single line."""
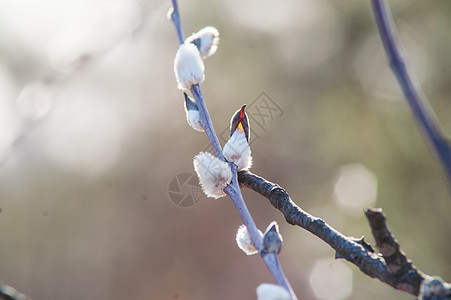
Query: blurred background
{"points": [[94, 139]]}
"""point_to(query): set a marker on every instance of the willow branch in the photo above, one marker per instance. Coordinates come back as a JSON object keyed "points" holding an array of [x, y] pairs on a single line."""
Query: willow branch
{"points": [[232, 190], [206, 122], [418, 102], [390, 266], [175, 17]]}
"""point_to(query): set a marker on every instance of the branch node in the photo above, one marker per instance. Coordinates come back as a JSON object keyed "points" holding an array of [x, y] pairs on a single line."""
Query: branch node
{"points": [[361, 241], [433, 288]]}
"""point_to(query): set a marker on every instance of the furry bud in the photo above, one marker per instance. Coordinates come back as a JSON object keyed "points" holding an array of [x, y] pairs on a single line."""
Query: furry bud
{"points": [[206, 40], [272, 240], [237, 148], [188, 66], [243, 240], [214, 174], [192, 113], [266, 291]]}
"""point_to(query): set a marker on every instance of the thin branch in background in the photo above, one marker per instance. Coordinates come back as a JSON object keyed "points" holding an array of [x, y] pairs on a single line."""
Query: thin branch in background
{"points": [[391, 266], [233, 189], [54, 78], [418, 102]]}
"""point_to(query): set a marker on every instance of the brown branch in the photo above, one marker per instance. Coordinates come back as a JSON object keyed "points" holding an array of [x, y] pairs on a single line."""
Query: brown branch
{"points": [[407, 277], [391, 266]]}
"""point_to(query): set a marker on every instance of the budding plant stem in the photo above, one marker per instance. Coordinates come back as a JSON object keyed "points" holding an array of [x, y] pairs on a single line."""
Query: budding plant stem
{"points": [[233, 189], [271, 260], [206, 122], [412, 91], [175, 17]]}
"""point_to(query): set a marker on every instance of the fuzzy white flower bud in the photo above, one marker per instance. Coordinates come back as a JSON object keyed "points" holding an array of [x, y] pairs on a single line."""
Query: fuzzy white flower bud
{"points": [[237, 150], [214, 174], [272, 240], [188, 66], [192, 113], [266, 291], [206, 40], [243, 240], [193, 117]]}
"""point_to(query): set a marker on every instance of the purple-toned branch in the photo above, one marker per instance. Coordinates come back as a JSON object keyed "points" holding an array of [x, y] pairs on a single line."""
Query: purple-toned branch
{"points": [[206, 122], [233, 189], [175, 17], [270, 259], [418, 102]]}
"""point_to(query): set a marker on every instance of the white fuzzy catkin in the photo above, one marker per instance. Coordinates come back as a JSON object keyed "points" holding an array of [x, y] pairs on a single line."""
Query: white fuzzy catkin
{"points": [[237, 150], [214, 174], [243, 240], [193, 118], [209, 40], [188, 66], [267, 291]]}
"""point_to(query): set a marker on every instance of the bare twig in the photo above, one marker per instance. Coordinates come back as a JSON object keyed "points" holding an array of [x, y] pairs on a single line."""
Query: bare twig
{"points": [[418, 102], [408, 277], [390, 266]]}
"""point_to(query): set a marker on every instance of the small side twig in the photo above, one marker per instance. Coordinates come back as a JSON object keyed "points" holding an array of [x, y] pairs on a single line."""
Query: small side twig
{"points": [[391, 266], [398, 264], [418, 102]]}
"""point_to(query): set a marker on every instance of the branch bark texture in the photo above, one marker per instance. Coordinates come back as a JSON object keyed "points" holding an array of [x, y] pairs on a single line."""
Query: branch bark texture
{"points": [[390, 265]]}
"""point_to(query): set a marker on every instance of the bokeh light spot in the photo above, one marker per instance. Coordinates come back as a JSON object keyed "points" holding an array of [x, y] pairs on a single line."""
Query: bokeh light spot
{"points": [[331, 280], [355, 187]]}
